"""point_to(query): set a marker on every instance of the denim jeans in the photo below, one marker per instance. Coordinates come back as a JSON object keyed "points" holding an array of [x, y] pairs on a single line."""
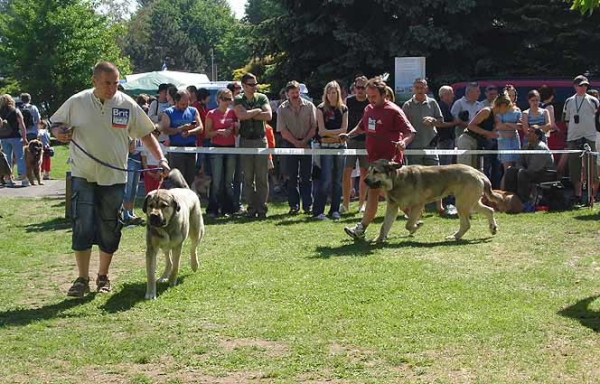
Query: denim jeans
{"points": [[238, 182], [186, 163], [256, 176], [221, 187], [133, 179], [14, 145], [299, 171], [330, 184], [95, 211], [491, 164]]}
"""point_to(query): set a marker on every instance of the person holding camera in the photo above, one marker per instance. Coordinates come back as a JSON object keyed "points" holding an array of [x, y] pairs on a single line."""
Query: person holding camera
{"points": [[182, 123], [579, 114]]}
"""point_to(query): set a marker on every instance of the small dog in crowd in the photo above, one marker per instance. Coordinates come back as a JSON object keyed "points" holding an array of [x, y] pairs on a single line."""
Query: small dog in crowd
{"points": [[34, 153], [173, 215], [413, 186]]}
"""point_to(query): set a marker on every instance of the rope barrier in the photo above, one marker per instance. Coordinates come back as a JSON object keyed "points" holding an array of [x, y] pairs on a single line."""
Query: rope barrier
{"points": [[341, 152]]}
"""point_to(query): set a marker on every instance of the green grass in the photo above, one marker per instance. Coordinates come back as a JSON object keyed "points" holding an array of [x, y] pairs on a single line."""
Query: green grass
{"points": [[293, 300], [59, 166]]}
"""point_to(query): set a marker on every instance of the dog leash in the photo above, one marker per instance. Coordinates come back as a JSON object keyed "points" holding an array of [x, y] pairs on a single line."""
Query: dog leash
{"points": [[101, 162]]}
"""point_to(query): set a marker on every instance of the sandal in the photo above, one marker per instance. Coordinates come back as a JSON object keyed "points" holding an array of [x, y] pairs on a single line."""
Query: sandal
{"points": [[80, 287], [103, 284]]}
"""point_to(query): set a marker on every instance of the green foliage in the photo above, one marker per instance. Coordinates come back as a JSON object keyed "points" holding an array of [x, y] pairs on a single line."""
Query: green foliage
{"points": [[52, 46], [183, 32], [585, 6]]}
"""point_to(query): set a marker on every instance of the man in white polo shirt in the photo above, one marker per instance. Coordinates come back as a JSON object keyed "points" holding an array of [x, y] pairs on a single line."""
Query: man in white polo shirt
{"points": [[100, 120]]}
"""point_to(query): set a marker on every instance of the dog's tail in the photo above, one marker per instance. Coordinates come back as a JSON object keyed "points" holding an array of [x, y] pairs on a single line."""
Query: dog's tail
{"points": [[489, 192]]}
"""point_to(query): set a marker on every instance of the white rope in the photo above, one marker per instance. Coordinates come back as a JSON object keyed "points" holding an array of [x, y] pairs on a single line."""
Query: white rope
{"points": [[341, 152]]}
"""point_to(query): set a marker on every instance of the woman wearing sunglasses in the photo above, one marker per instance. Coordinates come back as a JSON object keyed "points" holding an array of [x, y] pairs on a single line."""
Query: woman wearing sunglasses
{"points": [[221, 128]]}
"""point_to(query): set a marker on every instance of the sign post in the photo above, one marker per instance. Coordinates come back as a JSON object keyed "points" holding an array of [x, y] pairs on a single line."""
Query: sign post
{"points": [[407, 69]]}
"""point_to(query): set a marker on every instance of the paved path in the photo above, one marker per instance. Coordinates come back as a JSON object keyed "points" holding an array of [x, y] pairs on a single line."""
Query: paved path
{"points": [[52, 188]]}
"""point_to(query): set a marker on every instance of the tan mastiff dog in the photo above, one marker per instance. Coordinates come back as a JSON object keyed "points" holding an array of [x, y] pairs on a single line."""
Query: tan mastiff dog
{"points": [[173, 215], [413, 186]]}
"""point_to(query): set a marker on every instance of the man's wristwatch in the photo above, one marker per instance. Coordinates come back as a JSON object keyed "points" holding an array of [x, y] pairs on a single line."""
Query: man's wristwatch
{"points": [[163, 160]]}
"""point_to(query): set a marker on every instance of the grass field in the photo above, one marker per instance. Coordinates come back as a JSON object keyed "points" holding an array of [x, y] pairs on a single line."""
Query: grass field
{"points": [[293, 300]]}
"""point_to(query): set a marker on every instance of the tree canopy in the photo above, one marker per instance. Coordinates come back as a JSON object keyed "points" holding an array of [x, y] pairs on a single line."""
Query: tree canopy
{"points": [[50, 47], [316, 41]]}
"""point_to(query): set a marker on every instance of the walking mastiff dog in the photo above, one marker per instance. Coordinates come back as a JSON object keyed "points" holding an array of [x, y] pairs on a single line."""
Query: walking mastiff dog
{"points": [[173, 215], [413, 186]]}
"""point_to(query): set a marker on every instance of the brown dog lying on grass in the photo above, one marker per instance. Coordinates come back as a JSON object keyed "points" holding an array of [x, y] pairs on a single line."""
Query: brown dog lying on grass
{"points": [[413, 186], [510, 202]]}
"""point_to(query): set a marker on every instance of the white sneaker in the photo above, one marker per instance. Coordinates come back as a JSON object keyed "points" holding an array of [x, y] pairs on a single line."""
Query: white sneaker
{"points": [[25, 183], [362, 208], [336, 215], [344, 209], [322, 216], [357, 232]]}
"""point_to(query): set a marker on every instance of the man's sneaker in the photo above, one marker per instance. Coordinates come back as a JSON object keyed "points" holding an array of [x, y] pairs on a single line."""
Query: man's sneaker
{"points": [[294, 211], [135, 220], [336, 215], [25, 183], [80, 287], [357, 232], [103, 284], [362, 208], [321, 216]]}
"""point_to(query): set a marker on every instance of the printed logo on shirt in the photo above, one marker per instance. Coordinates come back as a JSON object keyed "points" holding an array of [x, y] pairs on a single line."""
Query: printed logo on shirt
{"points": [[372, 124], [120, 117]]}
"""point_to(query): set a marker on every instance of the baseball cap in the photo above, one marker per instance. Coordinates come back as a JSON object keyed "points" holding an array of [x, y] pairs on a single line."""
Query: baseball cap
{"points": [[163, 87], [581, 80]]}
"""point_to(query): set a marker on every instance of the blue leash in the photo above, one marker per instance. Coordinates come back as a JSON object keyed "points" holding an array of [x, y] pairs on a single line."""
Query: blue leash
{"points": [[112, 166]]}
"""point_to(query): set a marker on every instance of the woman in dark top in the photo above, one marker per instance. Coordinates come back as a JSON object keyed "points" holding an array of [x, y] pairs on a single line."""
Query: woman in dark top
{"points": [[14, 143], [332, 120]]}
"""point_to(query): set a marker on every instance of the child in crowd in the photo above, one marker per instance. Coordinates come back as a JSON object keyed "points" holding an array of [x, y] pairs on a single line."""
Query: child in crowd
{"points": [[151, 178], [44, 137]]}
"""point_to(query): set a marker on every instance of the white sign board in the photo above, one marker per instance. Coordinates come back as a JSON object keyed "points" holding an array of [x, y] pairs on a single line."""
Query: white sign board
{"points": [[407, 69]]}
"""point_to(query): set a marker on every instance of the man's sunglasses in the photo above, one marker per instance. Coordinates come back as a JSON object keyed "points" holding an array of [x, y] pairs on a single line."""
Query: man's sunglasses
{"points": [[251, 84]]}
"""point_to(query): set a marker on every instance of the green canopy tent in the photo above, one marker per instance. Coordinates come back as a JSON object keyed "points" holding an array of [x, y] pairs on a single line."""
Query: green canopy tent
{"points": [[148, 82]]}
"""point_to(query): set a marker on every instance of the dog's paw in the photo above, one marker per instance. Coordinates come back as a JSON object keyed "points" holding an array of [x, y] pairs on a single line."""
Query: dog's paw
{"points": [[493, 229], [173, 282], [162, 279], [454, 236], [150, 296], [379, 240], [194, 264]]}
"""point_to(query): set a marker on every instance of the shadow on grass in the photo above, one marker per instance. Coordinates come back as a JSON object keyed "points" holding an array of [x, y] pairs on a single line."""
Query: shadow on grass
{"points": [[591, 216], [57, 223], [365, 248], [131, 294], [59, 203], [20, 317], [581, 312]]}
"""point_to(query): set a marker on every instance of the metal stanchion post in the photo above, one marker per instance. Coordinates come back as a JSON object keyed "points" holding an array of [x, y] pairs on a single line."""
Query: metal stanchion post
{"points": [[68, 195]]}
